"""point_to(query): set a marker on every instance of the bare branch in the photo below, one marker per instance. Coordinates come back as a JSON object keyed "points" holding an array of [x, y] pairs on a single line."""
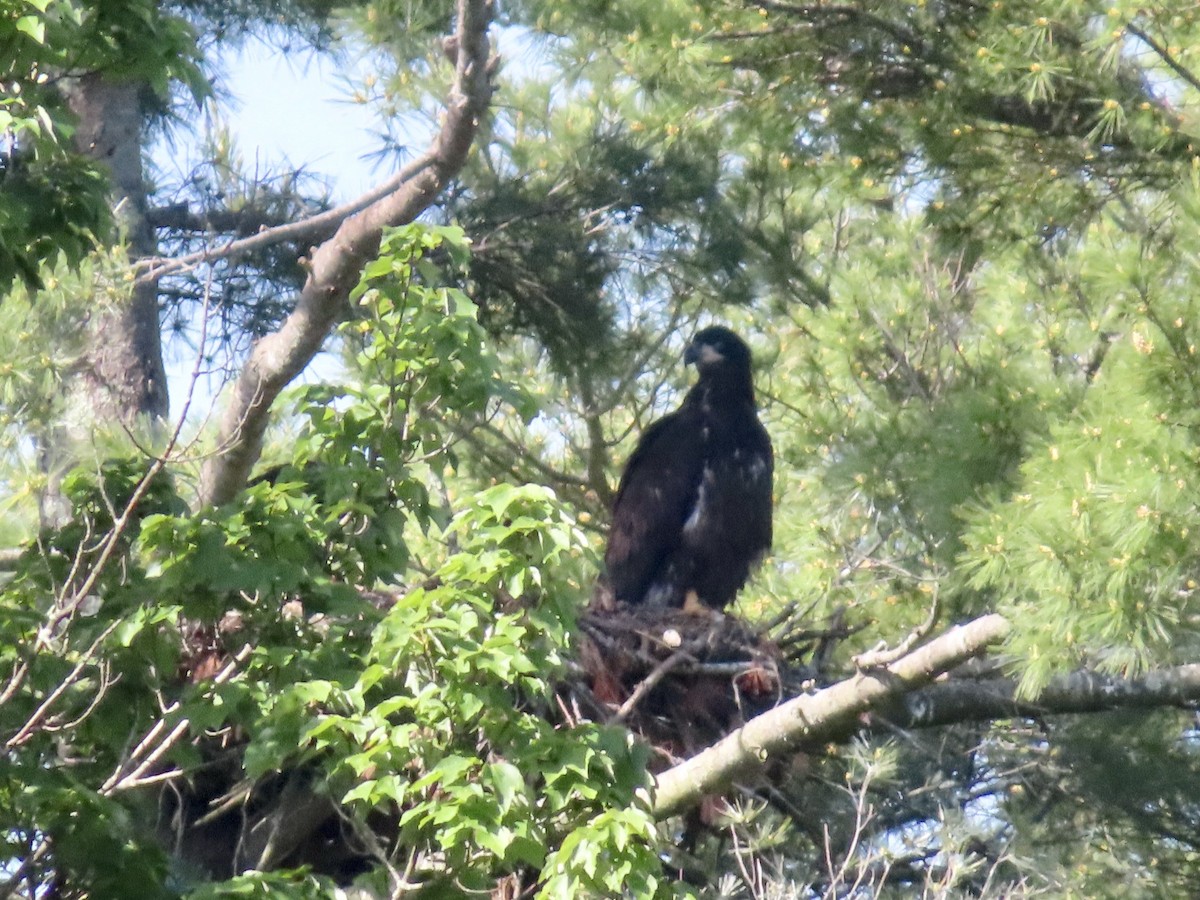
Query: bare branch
{"points": [[961, 700], [337, 263], [647, 684], [881, 655], [39, 715], [315, 227], [249, 220], [132, 772], [812, 718], [902, 695]]}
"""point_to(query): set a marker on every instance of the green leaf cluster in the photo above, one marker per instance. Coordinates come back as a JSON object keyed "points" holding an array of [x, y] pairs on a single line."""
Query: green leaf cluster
{"points": [[54, 199], [400, 656], [448, 725]]}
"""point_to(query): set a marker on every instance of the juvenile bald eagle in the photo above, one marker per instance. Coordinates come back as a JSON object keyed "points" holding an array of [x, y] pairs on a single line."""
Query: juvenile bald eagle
{"points": [[693, 510]]}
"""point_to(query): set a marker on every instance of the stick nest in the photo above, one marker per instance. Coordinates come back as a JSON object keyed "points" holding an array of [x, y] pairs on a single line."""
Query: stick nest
{"points": [[681, 679]]}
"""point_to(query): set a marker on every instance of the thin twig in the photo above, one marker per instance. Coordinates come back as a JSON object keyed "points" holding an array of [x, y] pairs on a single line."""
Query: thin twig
{"points": [[1164, 54], [312, 227], [881, 656], [647, 684], [40, 713], [121, 779]]}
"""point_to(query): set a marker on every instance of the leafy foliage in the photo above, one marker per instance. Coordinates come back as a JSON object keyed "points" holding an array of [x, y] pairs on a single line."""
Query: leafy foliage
{"points": [[54, 199], [429, 711], [994, 409], [962, 240]]}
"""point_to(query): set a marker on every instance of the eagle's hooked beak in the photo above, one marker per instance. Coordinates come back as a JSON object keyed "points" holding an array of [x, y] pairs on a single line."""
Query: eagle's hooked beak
{"points": [[701, 354]]}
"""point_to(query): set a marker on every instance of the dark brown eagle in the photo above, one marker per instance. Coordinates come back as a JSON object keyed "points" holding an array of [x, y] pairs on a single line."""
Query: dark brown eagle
{"points": [[693, 511]]}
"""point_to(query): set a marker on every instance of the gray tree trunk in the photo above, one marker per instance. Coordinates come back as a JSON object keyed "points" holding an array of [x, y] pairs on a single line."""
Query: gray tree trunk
{"points": [[122, 376]]}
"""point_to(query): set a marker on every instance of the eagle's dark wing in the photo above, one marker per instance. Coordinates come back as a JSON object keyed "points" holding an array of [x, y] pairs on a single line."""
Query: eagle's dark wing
{"points": [[656, 496]]}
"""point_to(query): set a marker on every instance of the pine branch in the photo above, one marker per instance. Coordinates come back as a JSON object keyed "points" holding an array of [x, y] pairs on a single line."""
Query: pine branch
{"points": [[955, 701], [249, 220], [903, 696]]}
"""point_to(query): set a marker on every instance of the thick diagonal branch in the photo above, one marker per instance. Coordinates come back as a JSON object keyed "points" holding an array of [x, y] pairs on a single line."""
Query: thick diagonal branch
{"points": [[337, 263], [815, 718]]}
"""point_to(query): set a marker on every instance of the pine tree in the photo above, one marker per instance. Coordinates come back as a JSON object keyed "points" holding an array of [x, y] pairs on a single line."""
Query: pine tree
{"points": [[961, 239]]}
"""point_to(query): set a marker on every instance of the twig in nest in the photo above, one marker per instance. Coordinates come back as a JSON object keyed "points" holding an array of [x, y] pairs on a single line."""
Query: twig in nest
{"points": [[647, 684], [597, 634], [238, 795], [131, 773], [734, 668]]}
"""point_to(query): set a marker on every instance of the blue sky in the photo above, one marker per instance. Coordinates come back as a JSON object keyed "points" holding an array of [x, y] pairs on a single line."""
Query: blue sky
{"points": [[294, 107], [284, 110], [289, 110]]}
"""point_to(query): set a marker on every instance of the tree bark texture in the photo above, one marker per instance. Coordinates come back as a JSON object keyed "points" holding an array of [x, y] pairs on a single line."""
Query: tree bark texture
{"points": [[121, 375], [337, 263]]}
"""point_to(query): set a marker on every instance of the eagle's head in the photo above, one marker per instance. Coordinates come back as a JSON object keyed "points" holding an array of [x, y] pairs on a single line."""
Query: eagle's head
{"points": [[715, 348]]}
